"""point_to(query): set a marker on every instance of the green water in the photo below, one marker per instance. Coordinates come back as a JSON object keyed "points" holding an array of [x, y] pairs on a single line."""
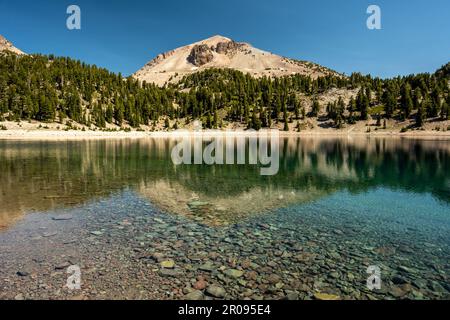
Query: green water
{"points": [[350, 203]]}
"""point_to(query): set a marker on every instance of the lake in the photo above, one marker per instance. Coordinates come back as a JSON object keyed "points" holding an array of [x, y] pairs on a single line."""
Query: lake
{"points": [[140, 227]]}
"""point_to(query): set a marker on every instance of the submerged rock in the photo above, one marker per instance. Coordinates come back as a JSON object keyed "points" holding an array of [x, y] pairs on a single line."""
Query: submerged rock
{"points": [[63, 217], [233, 273], [291, 295], [169, 273], [208, 267], [274, 279], [326, 296], [200, 285], [216, 291], [168, 264], [194, 295]]}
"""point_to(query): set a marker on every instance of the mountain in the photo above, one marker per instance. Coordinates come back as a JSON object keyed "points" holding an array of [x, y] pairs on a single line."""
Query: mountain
{"points": [[222, 52], [71, 94], [5, 45]]}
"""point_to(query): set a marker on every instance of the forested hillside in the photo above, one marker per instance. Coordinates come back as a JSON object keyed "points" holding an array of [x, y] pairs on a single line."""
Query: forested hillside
{"points": [[46, 88], [49, 89]]}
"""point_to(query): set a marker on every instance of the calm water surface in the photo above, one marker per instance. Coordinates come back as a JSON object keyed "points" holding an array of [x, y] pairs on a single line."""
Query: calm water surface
{"points": [[120, 208]]}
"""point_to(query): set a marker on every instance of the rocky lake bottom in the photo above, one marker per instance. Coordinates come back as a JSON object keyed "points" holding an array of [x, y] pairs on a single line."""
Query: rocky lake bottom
{"points": [[127, 248], [345, 218]]}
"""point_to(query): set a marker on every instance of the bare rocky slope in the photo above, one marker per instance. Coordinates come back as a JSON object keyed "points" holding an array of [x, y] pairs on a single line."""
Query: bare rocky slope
{"points": [[5, 45], [222, 52]]}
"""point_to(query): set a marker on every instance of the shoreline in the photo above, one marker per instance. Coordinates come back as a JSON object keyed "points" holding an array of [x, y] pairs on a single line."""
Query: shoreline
{"points": [[36, 135]]}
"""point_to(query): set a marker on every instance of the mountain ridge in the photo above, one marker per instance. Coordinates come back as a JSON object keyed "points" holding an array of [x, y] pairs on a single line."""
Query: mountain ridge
{"points": [[222, 52]]}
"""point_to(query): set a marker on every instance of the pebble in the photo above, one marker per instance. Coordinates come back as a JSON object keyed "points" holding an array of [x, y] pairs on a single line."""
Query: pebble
{"points": [[216, 291], [291, 295], [208, 267], [200, 285], [63, 217], [49, 234], [194, 295], [274, 279], [171, 273], [168, 264], [233, 273], [284, 261], [63, 265], [326, 296]]}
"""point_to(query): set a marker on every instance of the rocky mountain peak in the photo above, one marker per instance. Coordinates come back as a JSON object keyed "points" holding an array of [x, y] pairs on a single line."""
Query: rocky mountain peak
{"points": [[222, 52]]}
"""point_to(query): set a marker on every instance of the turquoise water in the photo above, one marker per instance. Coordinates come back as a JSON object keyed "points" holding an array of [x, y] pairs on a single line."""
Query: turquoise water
{"points": [[336, 207]]}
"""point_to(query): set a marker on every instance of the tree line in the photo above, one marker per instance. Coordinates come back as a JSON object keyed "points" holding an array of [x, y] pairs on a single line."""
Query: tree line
{"points": [[48, 88]]}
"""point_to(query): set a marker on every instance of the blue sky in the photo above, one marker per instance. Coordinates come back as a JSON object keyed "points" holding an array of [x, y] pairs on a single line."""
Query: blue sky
{"points": [[123, 35]]}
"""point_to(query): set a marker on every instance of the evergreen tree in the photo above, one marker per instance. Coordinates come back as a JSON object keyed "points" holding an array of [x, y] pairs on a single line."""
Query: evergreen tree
{"points": [[286, 123], [407, 103], [315, 109], [390, 102], [166, 123], [46, 87], [420, 116]]}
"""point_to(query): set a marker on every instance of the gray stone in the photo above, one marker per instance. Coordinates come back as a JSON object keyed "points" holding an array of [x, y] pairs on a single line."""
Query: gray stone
{"points": [[194, 295], [170, 273], [233, 273], [63, 217], [216, 291], [291, 295], [208, 267]]}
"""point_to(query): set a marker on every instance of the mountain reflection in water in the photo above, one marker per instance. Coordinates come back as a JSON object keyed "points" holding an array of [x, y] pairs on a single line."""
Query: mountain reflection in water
{"points": [[41, 176]]}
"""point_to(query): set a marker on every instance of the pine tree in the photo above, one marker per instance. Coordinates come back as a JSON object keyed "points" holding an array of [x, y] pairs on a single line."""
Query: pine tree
{"points": [[420, 116], [166, 123], [365, 108], [297, 107], [256, 123], [390, 102], [435, 103], [406, 101], [315, 109], [118, 112], [286, 123], [445, 111], [109, 114]]}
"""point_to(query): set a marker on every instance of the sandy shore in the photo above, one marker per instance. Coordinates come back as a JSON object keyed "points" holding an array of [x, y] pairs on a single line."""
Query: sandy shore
{"points": [[89, 135]]}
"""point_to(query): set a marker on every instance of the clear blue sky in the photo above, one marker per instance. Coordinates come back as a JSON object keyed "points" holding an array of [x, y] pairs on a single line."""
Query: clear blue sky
{"points": [[123, 35]]}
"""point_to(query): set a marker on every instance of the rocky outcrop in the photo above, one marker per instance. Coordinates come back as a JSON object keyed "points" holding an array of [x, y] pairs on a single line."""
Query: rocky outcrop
{"points": [[200, 55], [160, 57], [228, 47]]}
